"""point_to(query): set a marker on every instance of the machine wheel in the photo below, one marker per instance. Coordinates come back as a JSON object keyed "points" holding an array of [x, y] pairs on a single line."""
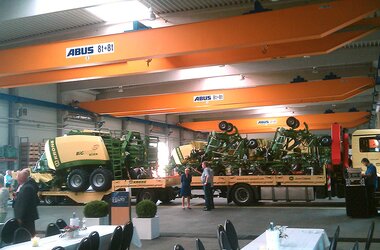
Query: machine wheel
{"points": [[242, 195], [101, 179], [297, 124], [148, 194], [230, 127], [223, 125], [292, 122], [326, 141], [252, 144], [78, 181], [50, 200]]}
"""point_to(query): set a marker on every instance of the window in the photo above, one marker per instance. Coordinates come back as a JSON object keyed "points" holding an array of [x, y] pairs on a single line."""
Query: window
{"points": [[369, 144]]}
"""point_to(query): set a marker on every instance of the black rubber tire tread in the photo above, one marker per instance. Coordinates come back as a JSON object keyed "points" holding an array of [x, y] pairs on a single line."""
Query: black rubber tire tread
{"points": [[223, 125], [50, 200], [253, 143], [230, 127], [326, 141], [85, 183], [297, 124], [108, 177], [236, 194], [148, 194], [291, 122]]}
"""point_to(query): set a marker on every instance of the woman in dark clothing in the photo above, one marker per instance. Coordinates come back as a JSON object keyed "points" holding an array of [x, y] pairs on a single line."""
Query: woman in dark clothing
{"points": [[185, 188]]}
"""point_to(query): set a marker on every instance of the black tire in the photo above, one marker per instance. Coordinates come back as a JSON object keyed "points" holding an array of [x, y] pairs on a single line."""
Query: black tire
{"points": [[297, 124], [326, 141], [230, 127], [78, 180], [242, 195], [292, 122], [148, 194], [253, 143], [101, 179], [50, 200], [223, 125]]}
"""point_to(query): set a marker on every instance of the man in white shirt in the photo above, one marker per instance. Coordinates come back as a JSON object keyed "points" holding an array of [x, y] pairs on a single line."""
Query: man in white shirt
{"points": [[207, 181]]}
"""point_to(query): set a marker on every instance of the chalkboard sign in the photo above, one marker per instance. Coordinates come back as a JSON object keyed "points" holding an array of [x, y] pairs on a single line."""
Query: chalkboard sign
{"points": [[120, 199]]}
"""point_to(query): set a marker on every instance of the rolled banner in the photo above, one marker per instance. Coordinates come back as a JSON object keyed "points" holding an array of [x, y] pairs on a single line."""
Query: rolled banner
{"points": [[272, 239]]}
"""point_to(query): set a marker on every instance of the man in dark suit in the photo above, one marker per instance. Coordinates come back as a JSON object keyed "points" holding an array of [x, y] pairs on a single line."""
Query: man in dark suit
{"points": [[26, 201]]}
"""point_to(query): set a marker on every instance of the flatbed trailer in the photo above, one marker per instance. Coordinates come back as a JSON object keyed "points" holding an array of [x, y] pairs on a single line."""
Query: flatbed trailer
{"points": [[248, 189], [164, 189]]}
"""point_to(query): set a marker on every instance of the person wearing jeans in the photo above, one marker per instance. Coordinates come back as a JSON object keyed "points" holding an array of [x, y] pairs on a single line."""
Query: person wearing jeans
{"points": [[207, 181]]}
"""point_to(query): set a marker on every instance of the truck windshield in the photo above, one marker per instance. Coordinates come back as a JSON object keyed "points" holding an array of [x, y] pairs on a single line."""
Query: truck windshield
{"points": [[370, 144]]}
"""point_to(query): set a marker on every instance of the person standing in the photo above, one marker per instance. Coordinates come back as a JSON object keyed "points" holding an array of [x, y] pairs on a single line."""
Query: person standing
{"points": [[186, 179], [8, 179], [371, 185], [26, 201], [4, 197], [207, 181]]}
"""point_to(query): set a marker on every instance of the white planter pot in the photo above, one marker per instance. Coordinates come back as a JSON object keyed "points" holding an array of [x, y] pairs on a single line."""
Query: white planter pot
{"points": [[97, 221], [147, 228]]}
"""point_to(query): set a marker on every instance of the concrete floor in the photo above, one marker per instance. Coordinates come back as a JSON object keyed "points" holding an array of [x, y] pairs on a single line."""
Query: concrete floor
{"points": [[184, 226]]}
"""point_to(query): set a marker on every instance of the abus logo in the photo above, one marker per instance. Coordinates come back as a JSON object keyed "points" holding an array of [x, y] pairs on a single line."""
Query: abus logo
{"points": [[266, 122], [207, 98], [80, 51], [202, 98], [90, 50]]}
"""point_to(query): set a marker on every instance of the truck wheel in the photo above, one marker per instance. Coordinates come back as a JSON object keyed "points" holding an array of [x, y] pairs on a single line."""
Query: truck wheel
{"points": [[101, 179], [78, 181], [223, 125], [242, 195], [148, 194]]}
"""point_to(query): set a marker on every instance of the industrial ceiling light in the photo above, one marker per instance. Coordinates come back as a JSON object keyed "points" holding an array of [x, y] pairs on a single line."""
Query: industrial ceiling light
{"points": [[122, 11]]}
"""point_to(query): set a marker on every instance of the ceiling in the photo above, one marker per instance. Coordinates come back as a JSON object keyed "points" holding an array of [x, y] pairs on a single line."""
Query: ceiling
{"points": [[23, 24]]}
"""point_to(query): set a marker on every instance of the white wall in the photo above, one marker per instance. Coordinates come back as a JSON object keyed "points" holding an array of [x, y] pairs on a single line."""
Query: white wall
{"points": [[112, 123], [3, 120], [42, 121], [135, 126]]}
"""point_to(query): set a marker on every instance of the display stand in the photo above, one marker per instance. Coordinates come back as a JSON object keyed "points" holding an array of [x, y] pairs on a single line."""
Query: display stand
{"points": [[120, 207]]}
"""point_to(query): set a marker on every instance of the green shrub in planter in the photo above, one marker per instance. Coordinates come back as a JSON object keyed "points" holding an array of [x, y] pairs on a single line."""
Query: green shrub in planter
{"points": [[95, 209], [146, 209]]}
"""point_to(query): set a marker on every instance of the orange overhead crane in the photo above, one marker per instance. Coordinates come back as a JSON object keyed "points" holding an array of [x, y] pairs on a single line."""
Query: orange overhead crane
{"points": [[261, 29], [285, 50], [279, 94], [270, 124]]}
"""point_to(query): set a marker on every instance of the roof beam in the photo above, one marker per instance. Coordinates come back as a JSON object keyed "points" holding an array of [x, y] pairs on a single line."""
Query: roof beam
{"points": [[10, 10], [259, 53], [279, 94], [267, 125], [267, 28]]}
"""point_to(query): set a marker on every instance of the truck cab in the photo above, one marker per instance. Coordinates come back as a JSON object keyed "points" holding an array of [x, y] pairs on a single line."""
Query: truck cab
{"points": [[366, 144]]}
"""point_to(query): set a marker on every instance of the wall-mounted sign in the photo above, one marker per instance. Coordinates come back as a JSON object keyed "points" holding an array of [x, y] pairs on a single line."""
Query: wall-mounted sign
{"points": [[208, 98], [266, 122], [90, 50]]}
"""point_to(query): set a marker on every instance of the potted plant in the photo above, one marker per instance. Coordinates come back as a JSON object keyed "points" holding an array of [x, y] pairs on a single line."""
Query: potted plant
{"points": [[147, 223], [96, 213]]}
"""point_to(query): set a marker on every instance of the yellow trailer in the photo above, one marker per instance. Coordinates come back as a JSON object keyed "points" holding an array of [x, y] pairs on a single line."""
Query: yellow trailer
{"points": [[164, 189]]}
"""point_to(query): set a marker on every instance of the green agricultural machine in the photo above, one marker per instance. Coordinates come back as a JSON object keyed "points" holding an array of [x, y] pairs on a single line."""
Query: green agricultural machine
{"points": [[290, 152], [82, 158]]}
